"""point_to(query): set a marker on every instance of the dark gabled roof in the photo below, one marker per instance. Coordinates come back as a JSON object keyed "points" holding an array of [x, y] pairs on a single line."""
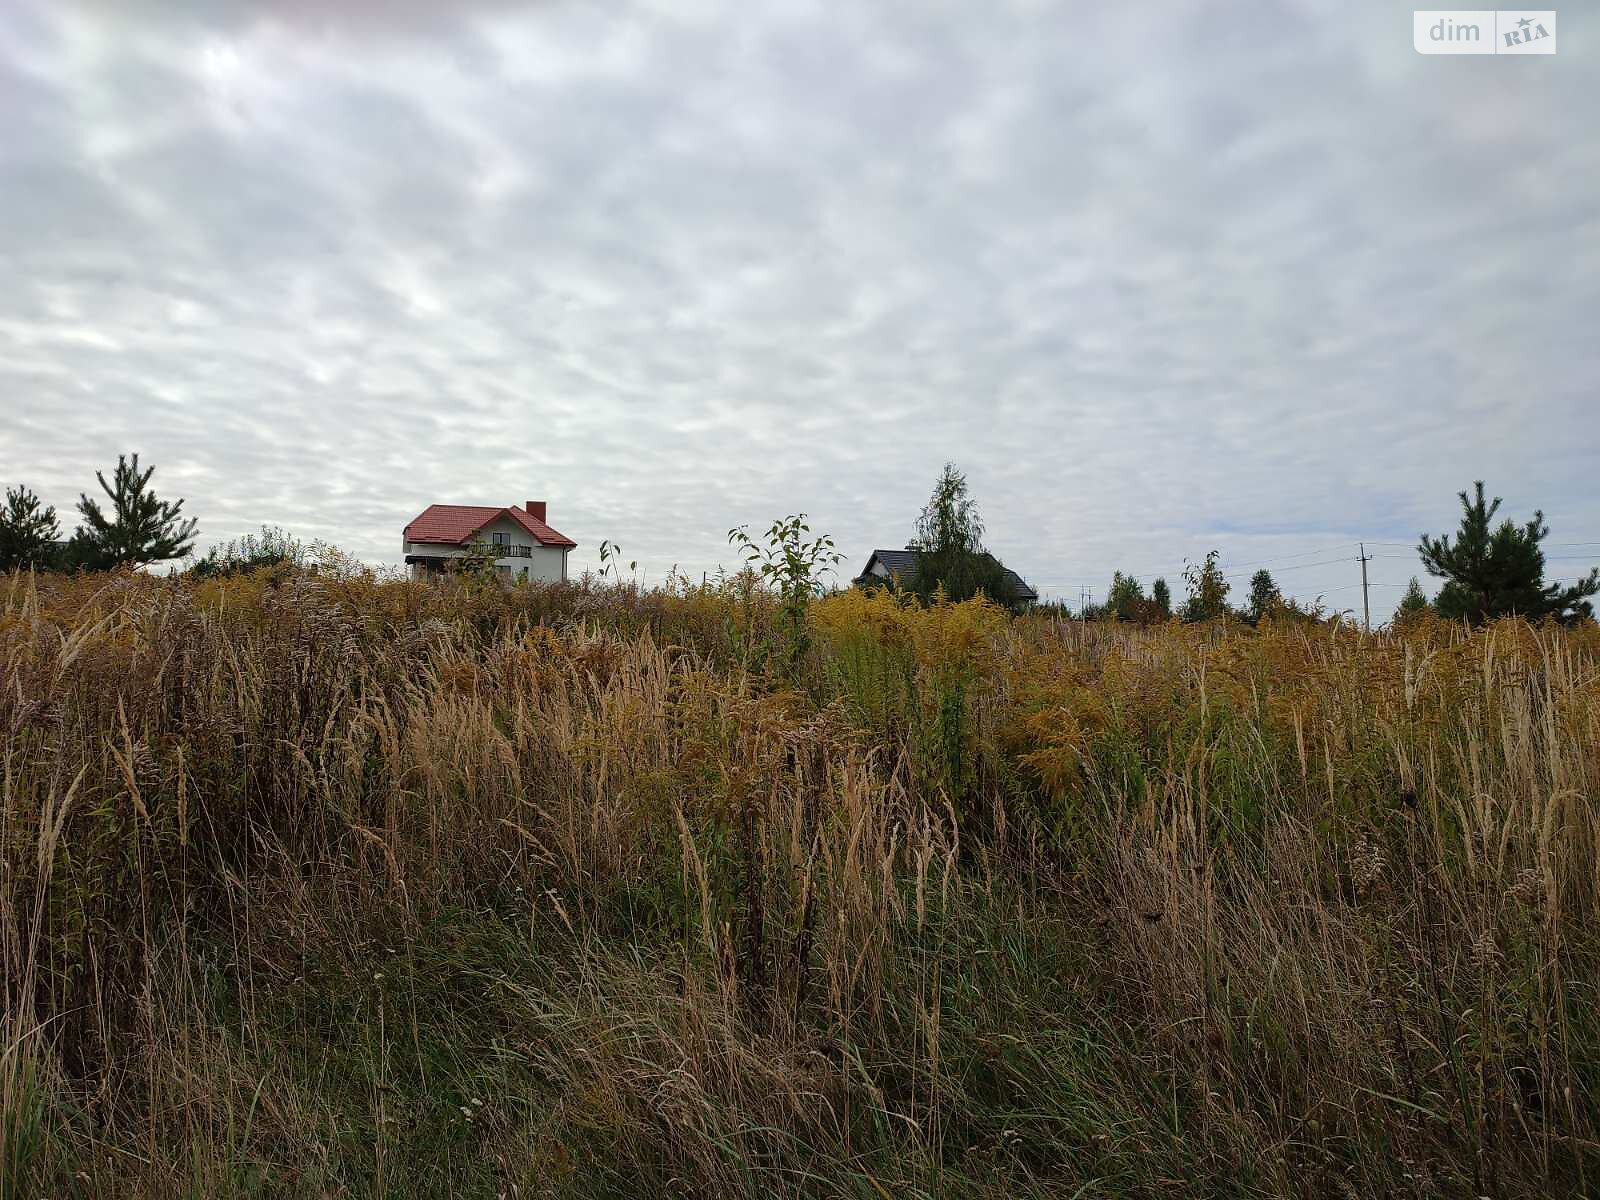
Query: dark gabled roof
{"points": [[1019, 587], [897, 562], [903, 563]]}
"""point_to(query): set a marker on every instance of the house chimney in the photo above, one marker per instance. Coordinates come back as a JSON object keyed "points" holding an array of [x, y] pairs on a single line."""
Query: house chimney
{"points": [[536, 509]]}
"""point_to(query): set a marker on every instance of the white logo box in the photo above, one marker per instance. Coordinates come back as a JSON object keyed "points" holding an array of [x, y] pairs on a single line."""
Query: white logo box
{"points": [[1484, 31]]}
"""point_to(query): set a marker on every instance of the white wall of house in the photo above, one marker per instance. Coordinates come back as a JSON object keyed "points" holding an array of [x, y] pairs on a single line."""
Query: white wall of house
{"points": [[882, 572], [542, 564]]}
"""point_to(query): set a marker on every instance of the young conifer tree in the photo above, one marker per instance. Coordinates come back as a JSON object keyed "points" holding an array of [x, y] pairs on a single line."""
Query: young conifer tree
{"points": [[139, 527], [28, 531], [1498, 570]]}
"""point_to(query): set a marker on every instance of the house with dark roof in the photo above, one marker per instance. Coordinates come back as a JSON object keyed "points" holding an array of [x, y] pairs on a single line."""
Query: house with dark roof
{"points": [[525, 545], [899, 568]]}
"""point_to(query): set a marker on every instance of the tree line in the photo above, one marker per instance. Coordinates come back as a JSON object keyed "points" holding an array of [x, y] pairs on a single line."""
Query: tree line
{"points": [[1488, 570], [133, 526]]}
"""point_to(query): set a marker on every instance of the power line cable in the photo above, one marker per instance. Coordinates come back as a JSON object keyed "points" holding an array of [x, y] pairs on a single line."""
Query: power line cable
{"points": [[1239, 571], [1299, 567], [1344, 587], [1263, 562]]}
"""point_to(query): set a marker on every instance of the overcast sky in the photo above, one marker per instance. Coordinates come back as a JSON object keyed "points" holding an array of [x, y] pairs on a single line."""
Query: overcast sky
{"points": [[1158, 277]]}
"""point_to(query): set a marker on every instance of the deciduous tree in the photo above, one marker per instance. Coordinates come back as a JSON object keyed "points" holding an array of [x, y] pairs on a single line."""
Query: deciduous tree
{"points": [[272, 547], [793, 563], [1208, 590], [1125, 599], [949, 547]]}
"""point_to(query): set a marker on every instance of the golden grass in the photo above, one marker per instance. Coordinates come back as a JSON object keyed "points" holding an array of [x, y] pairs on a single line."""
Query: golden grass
{"points": [[316, 885]]}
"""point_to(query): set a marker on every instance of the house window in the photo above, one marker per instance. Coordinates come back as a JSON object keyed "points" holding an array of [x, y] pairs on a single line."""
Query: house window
{"points": [[499, 539]]}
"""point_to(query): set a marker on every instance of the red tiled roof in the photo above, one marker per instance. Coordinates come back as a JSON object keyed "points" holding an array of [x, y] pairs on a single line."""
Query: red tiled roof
{"points": [[454, 524]]}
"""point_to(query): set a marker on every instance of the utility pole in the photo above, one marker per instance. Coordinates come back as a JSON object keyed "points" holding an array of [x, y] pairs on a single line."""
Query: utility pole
{"points": [[1366, 605]]}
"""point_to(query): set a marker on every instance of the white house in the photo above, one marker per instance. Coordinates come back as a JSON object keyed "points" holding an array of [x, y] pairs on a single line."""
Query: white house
{"points": [[526, 547]]}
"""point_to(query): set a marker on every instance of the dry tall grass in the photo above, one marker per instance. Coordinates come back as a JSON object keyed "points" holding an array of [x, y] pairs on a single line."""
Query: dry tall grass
{"points": [[322, 886]]}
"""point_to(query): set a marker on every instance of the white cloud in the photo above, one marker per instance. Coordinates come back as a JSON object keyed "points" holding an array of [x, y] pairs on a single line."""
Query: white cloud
{"points": [[1259, 279]]}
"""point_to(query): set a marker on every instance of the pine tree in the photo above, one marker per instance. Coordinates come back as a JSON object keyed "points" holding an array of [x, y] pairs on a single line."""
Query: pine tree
{"points": [[1264, 595], [28, 531], [140, 528], [1413, 604], [1161, 597], [1495, 571]]}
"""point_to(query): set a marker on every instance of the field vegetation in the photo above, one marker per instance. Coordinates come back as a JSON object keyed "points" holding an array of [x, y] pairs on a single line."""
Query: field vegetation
{"points": [[317, 885]]}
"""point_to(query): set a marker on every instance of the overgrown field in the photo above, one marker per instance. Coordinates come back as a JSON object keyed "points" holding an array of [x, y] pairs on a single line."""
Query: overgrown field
{"points": [[319, 886]]}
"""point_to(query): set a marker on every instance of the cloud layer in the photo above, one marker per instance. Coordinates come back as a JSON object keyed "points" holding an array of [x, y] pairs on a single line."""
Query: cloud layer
{"points": [[1159, 279]]}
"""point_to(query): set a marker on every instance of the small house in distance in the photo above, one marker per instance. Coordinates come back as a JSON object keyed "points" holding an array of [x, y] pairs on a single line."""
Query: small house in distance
{"points": [[526, 547], [899, 567]]}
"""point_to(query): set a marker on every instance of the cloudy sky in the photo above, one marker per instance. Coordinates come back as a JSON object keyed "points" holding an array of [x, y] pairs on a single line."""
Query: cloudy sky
{"points": [[1158, 277]]}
